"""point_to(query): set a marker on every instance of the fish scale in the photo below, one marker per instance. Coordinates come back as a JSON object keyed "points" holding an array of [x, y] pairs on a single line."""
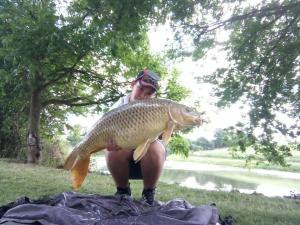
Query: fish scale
{"points": [[132, 126]]}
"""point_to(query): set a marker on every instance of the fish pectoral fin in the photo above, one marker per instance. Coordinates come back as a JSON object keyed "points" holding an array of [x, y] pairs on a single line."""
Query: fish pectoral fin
{"points": [[141, 150], [168, 132]]}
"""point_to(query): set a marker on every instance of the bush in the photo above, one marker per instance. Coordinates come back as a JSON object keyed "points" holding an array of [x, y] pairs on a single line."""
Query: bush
{"points": [[51, 155], [179, 146]]}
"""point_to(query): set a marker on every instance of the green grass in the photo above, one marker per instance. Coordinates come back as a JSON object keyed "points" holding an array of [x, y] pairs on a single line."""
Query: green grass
{"points": [[17, 180], [223, 157]]}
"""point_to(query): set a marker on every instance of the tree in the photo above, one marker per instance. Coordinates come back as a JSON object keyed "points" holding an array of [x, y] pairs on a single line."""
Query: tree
{"points": [[219, 139], [62, 62], [12, 119], [75, 136], [264, 73], [179, 145], [263, 55], [56, 64], [59, 63], [204, 143]]}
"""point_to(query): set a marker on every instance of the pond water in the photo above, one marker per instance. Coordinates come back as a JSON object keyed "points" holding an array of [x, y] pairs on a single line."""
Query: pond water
{"points": [[224, 178]]}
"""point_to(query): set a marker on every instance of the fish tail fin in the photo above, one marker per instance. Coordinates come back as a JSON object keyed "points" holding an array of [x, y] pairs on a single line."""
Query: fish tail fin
{"points": [[70, 161], [79, 171], [79, 168]]}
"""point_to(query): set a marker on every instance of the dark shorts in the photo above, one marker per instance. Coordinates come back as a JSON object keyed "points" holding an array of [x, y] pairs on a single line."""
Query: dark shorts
{"points": [[135, 171]]}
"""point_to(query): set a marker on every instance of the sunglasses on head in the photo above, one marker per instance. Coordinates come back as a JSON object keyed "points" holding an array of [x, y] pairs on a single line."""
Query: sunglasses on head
{"points": [[149, 77], [149, 80], [142, 86]]}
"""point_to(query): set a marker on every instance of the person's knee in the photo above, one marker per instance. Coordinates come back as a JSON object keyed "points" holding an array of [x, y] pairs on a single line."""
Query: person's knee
{"points": [[157, 149], [152, 164], [155, 155]]}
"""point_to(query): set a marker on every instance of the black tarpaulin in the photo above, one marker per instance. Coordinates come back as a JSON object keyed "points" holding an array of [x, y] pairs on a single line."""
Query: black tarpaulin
{"points": [[71, 208]]}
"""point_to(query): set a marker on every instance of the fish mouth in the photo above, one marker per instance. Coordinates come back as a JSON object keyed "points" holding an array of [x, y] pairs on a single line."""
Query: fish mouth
{"points": [[198, 122]]}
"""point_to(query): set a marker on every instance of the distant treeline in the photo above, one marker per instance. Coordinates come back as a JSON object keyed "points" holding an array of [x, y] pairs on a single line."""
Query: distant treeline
{"points": [[219, 141]]}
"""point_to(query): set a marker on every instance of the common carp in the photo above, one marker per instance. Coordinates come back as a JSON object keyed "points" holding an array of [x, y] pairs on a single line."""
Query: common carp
{"points": [[132, 126]]}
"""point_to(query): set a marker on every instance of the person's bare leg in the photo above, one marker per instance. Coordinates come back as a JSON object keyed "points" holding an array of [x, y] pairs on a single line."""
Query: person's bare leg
{"points": [[118, 165], [152, 164]]}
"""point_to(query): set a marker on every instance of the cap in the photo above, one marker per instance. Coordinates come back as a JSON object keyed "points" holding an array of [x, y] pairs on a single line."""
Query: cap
{"points": [[148, 78]]}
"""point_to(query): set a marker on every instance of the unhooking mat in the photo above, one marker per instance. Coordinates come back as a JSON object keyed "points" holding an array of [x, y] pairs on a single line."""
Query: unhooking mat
{"points": [[71, 208]]}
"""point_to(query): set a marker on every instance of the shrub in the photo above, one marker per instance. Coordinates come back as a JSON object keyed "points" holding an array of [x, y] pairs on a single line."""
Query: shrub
{"points": [[51, 155]]}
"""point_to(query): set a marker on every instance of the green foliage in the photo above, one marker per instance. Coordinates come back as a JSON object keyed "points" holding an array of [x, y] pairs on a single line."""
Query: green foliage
{"points": [[219, 141], [269, 152], [75, 135], [174, 90], [190, 22], [295, 146], [81, 61], [12, 116], [52, 155], [202, 144], [179, 145], [263, 73], [66, 61]]}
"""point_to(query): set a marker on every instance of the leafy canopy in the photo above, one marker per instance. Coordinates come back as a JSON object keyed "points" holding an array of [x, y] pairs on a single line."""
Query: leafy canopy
{"points": [[263, 72], [53, 64]]}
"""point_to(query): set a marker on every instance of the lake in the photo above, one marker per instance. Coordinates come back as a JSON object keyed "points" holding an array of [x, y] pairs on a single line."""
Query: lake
{"points": [[225, 178]]}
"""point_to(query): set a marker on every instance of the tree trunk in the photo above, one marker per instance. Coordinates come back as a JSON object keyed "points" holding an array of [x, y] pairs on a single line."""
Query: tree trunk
{"points": [[33, 141]]}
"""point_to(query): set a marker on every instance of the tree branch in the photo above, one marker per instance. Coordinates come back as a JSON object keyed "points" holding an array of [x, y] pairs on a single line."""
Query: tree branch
{"points": [[263, 12], [278, 40], [80, 101], [61, 101], [61, 73]]}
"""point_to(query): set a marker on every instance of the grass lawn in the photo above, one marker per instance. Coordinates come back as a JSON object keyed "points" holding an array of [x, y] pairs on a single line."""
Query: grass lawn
{"points": [[17, 180]]}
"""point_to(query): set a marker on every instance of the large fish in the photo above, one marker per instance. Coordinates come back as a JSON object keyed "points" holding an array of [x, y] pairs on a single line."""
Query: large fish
{"points": [[132, 126]]}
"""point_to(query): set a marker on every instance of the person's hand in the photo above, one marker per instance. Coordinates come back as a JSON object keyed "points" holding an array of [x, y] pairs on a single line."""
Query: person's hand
{"points": [[111, 145]]}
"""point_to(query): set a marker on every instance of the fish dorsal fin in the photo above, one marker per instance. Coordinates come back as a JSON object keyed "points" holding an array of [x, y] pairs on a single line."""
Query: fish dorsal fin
{"points": [[141, 150], [168, 132]]}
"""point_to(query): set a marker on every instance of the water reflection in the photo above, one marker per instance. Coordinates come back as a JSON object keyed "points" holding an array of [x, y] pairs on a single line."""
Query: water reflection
{"points": [[220, 181], [224, 178], [270, 191]]}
